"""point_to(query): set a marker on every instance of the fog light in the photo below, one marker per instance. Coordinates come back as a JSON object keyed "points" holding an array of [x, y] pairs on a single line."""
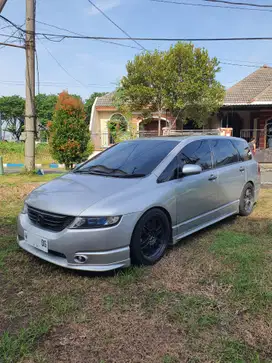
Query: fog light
{"points": [[80, 259]]}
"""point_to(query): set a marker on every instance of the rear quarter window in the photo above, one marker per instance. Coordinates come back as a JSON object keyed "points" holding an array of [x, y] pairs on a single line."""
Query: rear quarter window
{"points": [[224, 152], [243, 149]]}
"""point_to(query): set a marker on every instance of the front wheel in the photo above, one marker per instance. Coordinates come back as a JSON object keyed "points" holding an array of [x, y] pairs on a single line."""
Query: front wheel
{"points": [[150, 238], [247, 200]]}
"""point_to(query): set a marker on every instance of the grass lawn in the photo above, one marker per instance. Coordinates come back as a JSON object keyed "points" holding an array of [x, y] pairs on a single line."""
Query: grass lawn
{"points": [[208, 300], [13, 152]]}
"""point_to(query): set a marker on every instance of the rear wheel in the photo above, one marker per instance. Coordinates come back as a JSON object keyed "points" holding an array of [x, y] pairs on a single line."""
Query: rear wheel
{"points": [[247, 200], [150, 238]]}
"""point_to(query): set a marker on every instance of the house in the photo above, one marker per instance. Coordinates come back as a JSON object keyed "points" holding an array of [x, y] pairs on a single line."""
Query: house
{"points": [[103, 111], [247, 109]]}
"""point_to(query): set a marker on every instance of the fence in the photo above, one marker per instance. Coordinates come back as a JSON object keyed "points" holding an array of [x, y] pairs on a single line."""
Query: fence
{"points": [[104, 140], [192, 132]]}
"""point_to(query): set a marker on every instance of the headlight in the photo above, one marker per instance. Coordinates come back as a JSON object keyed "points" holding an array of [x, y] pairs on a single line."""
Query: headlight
{"points": [[24, 210], [95, 222]]}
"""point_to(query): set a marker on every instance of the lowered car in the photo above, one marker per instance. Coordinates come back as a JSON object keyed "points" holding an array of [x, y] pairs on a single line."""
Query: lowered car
{"points": [[132, 201]]}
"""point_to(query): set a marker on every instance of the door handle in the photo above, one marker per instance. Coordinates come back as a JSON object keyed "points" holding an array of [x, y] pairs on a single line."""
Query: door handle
{"points": [[242, 168], [212, 177]]}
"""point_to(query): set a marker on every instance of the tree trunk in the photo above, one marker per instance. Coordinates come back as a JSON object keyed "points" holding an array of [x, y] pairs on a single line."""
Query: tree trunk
{"points": [[159, 125]]}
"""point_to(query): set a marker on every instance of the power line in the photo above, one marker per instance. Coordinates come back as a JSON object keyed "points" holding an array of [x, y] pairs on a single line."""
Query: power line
{"points": [[259, 64], [238, 3], [65, 36], [65, 70], [209, 6], [58, 83], [117, 26], [53, 84], [72, 32], [239, 65], [11, 23], [8, 38]]}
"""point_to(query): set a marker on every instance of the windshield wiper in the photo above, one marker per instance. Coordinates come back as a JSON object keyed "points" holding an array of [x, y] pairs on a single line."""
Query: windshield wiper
{"points": [[114, 174], [100, 170], [127, 176]]}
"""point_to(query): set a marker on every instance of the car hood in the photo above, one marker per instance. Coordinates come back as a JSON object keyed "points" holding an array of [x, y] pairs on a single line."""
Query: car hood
{"points": [[72, 193]]}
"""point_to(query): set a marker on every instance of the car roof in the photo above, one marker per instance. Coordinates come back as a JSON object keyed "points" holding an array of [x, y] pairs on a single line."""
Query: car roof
{"points": [[187, 138]]}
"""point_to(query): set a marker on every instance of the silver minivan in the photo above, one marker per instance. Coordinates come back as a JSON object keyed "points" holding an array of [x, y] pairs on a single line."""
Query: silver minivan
{"points": [[132, 201]]}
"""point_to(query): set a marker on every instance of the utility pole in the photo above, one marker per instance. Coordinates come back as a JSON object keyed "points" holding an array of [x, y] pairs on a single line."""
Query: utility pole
{"points": [[0, 126], [30, 115], [2, 4]]}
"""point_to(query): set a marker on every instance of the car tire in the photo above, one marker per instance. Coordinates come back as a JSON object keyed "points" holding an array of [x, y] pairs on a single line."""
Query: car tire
{"points": [[150, 238], [247, 200]]}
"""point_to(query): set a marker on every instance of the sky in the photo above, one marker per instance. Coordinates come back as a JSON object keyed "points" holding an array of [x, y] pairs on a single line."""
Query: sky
{"points": [[94, 66]]}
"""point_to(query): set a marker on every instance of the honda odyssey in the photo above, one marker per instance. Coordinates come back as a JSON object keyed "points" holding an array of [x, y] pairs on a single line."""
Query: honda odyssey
{"points": [[132, 201]]}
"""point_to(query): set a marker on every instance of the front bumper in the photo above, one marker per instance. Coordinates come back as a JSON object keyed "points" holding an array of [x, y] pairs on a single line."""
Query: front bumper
{"points": [[106, 248]]}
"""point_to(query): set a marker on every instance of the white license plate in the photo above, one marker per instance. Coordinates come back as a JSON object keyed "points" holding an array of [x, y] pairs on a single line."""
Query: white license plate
{"points": [[36, 241]]}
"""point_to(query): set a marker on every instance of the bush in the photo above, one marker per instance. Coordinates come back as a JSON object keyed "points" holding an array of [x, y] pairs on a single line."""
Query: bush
{"points": [[69, 135]]}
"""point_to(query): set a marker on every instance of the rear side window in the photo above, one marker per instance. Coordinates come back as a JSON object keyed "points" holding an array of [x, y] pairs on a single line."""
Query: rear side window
{"points": [[243, 149], [197, 152], [224, 152]]}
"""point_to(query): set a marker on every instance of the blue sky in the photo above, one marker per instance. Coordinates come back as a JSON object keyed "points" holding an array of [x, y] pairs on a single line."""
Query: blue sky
{"points": [[99, 65]]}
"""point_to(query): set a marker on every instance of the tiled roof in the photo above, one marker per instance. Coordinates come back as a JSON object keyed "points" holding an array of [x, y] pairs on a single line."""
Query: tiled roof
{"points": [[106, 100], [253, 90]]}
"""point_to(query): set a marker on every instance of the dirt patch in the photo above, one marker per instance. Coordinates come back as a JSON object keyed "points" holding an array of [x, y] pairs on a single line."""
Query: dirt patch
{"points": [[12, 193], [256, 332], [114, 339]]}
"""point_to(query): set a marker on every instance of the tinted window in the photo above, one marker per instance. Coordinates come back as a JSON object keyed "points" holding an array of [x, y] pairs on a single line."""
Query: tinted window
{"points": [[224, 152], [197, 152], [130, 157], [243, 149], [170, 172]]}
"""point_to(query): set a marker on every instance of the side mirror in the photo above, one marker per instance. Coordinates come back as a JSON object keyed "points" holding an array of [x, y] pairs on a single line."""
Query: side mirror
{"points": [[191, 169]]}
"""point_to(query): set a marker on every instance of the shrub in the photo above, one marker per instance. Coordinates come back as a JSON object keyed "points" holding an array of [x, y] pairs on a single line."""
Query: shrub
{"points": [[69, 136]]}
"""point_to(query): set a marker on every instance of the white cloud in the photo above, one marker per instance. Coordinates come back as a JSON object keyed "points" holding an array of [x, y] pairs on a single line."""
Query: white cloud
{"points": [[103, 5]]}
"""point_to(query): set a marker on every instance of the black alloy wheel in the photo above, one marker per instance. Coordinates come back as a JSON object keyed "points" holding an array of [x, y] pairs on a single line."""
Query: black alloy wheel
{"points": [[150, 238]]}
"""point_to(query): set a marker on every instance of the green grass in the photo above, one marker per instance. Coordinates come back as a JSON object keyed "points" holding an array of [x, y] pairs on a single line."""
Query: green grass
{"points": [[247, 271], [239, 352], [13, 152], [191, 311], [20, 179], [13, 347], [129, 276], [208, 300], [169, 359]]}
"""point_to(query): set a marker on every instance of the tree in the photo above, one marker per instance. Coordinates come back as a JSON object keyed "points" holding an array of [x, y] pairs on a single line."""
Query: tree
{"points": [[12, 109], [193, 93], [45, 107], [89, 104], [143, 89], [69, 137], [181, 79]]}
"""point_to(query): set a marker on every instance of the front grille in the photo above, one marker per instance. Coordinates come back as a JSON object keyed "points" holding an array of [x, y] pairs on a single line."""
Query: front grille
{"points": [[49, 221]]}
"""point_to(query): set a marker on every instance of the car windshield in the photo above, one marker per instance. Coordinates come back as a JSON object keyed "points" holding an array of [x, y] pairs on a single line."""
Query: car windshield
{"points": [[129, 159]]}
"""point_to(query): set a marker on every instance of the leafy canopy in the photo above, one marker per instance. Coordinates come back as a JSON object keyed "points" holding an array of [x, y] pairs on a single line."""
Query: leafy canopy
{"points": [[182, 80], [12, 110], [45, 107]]}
